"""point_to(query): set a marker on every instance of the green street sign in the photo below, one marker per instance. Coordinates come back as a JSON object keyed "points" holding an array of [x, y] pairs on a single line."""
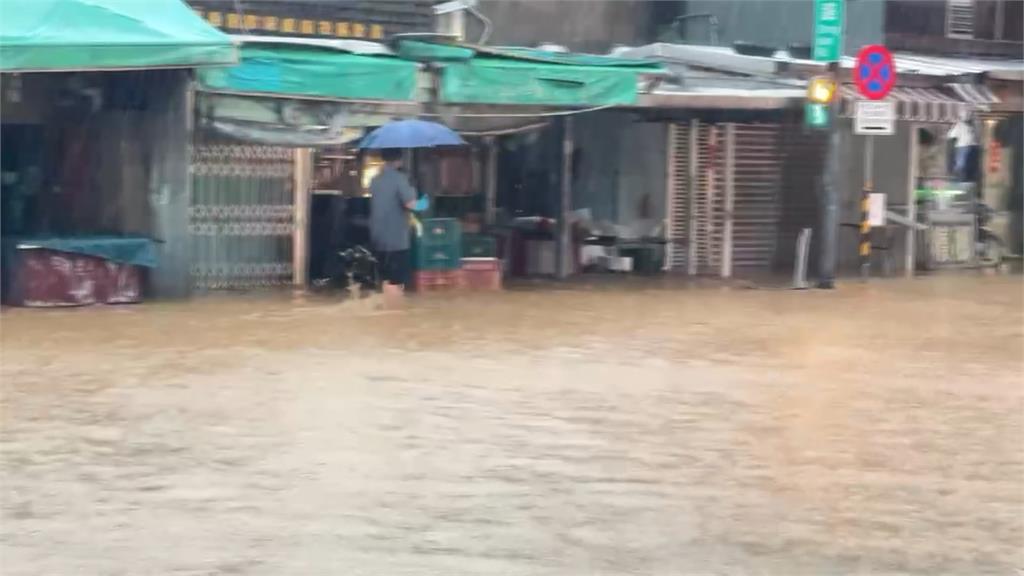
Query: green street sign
{"points": [[828, 30], [815, 115]]}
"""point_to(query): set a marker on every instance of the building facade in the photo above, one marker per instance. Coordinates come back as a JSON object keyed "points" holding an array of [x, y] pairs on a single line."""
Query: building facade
{"points": [[359, 20]]}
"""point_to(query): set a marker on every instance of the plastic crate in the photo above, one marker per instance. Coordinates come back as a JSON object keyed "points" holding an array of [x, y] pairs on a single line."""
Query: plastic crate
{"points": [[481, 273], [437, 280], [441, 232], [479, 246], [436, 257]]}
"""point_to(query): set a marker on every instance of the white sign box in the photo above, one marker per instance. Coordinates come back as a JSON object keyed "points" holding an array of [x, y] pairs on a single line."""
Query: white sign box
{"points": [[875, 117], [876, 209]]}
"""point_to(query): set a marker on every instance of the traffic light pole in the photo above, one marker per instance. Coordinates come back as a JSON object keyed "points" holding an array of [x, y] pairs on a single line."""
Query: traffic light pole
{"points": [[830, 197]]}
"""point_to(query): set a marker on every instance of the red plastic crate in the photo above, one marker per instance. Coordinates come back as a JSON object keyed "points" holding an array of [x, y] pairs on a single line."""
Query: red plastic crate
{"points": [[481, 273], [437, 280]]}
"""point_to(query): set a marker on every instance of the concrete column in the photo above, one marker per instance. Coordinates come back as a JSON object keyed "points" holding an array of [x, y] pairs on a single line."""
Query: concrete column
{"points": [[170, 183]]}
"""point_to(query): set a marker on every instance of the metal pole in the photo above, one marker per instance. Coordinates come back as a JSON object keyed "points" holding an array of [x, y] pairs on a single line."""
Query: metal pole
{"points": [[730, 199], [564, 227], [301, 184], [830, 196], [910, 258], [865, 206], [491, 183]]}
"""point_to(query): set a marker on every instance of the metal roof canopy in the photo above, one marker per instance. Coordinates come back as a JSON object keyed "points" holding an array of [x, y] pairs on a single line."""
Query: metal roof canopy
{"points": [[931, 89], [744, 85], [909, 66]]}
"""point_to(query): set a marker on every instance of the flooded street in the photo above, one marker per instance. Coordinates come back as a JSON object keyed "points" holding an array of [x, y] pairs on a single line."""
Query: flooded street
{"points": [[633, 428]]}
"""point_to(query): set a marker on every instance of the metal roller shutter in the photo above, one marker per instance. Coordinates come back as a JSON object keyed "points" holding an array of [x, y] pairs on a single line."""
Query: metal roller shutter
{"points": [[757, 181]]}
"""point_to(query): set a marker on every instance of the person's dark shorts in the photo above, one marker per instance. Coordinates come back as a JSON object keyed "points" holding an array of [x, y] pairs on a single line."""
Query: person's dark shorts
{"points": [[394, 266]]}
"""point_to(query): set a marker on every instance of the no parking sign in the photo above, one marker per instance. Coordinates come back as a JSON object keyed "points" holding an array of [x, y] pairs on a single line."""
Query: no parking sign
{"points": [[875, 73]]}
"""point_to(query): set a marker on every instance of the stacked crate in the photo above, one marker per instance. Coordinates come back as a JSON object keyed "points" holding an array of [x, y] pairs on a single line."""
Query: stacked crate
{"points": [[479, 246], [481, 273], [437, 256]]}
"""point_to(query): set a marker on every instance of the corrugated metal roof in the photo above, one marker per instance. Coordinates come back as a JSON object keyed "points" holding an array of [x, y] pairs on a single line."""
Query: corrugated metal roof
{"points": [[722, 98], [364, 47], [941, 66], [725, 58]]}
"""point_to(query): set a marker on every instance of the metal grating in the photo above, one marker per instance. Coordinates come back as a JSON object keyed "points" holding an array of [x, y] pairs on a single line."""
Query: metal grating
{"points": [[708, 217], [241, 216], [698, 214], [679, 214]]}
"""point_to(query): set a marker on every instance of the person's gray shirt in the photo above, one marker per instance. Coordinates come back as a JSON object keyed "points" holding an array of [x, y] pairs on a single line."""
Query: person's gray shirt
{"points": [[390, 191]]}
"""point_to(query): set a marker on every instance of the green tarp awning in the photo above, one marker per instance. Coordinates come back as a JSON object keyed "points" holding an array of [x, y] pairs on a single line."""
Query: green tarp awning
{"points": [[486, 80], [315, 72], [134, 250], [54, 35], [528, 76]]}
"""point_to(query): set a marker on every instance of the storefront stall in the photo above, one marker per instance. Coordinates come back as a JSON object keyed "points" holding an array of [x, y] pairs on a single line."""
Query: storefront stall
{"points": [[274, 184], [522, 191], [95, 129]]}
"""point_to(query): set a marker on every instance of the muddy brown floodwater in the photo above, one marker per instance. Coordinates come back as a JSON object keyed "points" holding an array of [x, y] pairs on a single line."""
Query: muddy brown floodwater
{"points": [[634, 428]]}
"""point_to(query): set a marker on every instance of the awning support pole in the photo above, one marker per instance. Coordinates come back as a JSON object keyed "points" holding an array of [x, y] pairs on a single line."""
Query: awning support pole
{"points": [[565, 259], [302, 178], [730, 199], [491, 183], [910, 258]]}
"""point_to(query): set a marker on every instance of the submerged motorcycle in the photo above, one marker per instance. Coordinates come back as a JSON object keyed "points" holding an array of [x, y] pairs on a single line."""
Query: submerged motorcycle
{"points": [[989, 247]]}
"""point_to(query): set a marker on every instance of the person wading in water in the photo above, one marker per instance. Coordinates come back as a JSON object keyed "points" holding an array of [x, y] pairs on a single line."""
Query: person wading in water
{"points": [[392, 200]]}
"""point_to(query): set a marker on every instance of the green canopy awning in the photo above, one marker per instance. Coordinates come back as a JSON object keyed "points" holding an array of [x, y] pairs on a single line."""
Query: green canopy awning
{"points": [[297, 71], [528, 76], [509, 81], [55, 35]]}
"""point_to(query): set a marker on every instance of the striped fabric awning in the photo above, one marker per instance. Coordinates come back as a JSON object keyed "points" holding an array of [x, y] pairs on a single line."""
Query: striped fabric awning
{"points": [[928, 104], [978, 95]]}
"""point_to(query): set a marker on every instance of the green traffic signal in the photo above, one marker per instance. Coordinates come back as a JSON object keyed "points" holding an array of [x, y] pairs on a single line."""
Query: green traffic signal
{"points": [[816, 115]]}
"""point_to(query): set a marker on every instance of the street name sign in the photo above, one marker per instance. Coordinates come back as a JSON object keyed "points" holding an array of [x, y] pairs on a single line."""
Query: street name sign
{"points": [[828, 30]]}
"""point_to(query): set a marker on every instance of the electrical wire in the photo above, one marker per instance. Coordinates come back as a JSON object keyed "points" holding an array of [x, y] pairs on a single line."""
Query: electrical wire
{"points": [[504, 132]]}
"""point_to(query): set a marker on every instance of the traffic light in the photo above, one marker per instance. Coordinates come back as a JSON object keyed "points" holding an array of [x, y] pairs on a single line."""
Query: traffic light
{"points": [[821, 90]]}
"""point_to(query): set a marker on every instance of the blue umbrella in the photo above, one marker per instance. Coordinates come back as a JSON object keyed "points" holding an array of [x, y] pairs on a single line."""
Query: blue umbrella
{"points": [[411, 134]]}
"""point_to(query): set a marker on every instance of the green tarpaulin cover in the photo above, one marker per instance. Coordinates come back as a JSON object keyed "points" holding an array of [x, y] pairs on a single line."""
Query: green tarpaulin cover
{"points": [[134, 250], [528, 76], [489, 80], [50, 35], [316, 72]]}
